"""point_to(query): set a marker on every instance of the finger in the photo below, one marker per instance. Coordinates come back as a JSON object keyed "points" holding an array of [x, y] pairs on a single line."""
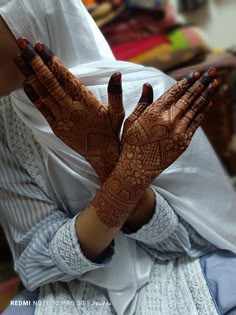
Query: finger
{"points": [[30, 76], [115, 101], [196, 89], [202, 101], [171, 96], [35, 99], [41, 92], [186, 112], [32, 80], [200, 106], [145, 100], [43, 73], [68, 81], [200, 117]]}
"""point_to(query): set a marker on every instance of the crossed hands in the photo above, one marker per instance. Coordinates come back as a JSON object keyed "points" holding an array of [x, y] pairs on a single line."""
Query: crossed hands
{"points": [[154, 135]]}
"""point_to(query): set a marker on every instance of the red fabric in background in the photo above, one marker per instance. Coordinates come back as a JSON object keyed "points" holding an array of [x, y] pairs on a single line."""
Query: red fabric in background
{"points": [[129, 50]]}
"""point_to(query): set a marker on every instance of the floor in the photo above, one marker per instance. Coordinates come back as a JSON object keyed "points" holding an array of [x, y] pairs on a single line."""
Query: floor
{"points": [[217, 18]]}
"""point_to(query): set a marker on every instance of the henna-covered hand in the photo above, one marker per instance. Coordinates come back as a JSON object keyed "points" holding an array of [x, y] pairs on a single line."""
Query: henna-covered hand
{"points": [[73, 112], [155, 140]]}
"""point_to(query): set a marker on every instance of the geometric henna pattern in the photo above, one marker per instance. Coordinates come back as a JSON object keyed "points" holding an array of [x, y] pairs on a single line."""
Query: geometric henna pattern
{"points": [[154, 141], [73, 112], [155, 134]]}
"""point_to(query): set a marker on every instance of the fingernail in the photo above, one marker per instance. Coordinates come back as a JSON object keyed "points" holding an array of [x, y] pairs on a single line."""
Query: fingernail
{"points": [[197, 75], [45, 53], [19, 61], [22, 42], [39, 47], [147, 93], [146, 88], [212, 72], [214, 84], [207, 76], [193, 76], [114, 85], [116, 78]]}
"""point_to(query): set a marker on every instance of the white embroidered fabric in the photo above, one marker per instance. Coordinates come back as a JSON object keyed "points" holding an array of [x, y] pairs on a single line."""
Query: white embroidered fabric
{"points": [[176, 287]]}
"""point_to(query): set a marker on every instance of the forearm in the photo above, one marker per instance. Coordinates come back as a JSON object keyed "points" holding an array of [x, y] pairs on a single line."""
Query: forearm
{"points": [[94, 236], [142, 213], [98, 224]]}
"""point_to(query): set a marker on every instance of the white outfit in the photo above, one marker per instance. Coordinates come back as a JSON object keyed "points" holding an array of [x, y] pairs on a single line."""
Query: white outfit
{"points": [[47, 253], [195, 186]]}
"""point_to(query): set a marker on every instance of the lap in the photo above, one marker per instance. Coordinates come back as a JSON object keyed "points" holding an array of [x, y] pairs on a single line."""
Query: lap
{"points": [[219, 268]]}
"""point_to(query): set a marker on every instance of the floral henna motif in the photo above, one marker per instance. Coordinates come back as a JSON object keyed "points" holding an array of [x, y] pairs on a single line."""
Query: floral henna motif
{"points": [[154, 135], [153, 142], [73, 112]]}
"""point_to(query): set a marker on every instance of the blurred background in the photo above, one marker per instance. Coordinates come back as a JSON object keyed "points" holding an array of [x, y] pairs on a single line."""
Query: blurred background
{"points": [[215, 17], [177, 37]]}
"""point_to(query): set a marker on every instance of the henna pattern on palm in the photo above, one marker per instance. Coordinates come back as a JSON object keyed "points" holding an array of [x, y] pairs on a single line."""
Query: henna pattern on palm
{"points": [[153, 142]]}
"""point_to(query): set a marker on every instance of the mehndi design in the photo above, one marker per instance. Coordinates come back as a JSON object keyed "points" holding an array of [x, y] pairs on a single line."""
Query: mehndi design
{"points": [[154, 136], [153, 142], [73, 112]]}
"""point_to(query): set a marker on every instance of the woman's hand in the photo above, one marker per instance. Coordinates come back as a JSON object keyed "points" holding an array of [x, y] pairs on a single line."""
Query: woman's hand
{"points": [[157, 138], [164, 130], [73, 112]]}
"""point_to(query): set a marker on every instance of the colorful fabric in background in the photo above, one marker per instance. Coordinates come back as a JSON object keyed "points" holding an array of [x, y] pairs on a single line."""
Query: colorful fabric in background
{"points": [[89, 3], [147, 32], [165, 52]]}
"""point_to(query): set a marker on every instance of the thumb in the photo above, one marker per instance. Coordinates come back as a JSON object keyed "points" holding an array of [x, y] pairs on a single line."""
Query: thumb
{"points": [[115, 101], [145, 100]]}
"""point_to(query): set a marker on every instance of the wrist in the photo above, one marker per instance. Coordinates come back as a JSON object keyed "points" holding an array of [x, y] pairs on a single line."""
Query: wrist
{"points": [[117, 198], [142, 213]]}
